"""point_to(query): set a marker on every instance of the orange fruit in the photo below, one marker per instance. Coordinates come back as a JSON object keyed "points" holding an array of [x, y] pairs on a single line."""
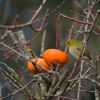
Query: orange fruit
{"points": [[55, 56], [39, 61]]}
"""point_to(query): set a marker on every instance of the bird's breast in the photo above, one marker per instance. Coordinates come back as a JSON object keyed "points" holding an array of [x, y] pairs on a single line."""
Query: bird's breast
{"points": [[75, 52]]}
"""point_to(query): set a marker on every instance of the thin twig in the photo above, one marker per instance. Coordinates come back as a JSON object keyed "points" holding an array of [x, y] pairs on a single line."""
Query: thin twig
{"points": [[69, 37], [57, 32], [38, 33], [38, 11], [80, 83]]}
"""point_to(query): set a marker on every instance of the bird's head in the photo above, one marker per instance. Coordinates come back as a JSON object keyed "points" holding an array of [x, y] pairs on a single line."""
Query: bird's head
{"points": [[71, 42]]}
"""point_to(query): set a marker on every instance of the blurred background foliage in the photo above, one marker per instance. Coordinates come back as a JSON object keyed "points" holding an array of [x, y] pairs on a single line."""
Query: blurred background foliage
{"points": [[25, 9]]}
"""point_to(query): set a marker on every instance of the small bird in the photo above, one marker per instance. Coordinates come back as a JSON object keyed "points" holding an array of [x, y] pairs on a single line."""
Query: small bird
{"points": [[75, 48]]}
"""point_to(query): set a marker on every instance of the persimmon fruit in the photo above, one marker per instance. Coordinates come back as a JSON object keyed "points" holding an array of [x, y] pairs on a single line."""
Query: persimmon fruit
{"points": [[39, 61], [55, 56]]}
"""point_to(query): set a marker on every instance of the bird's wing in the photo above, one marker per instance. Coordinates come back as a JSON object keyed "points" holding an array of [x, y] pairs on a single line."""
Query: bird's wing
{"points": [[86, 53]]}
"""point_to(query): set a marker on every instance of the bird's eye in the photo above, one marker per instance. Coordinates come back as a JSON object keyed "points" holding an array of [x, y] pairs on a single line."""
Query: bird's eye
{"points": [[70, 43]]}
